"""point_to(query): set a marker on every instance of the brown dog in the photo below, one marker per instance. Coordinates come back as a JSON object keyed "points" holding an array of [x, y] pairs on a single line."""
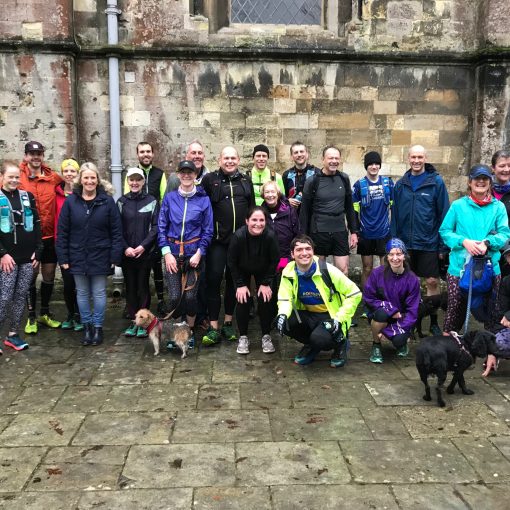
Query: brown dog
{"points": [[179, 333]]}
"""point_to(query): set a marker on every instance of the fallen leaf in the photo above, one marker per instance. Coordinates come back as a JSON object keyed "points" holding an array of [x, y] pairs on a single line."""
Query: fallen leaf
{"points": [[55, 425], [54, 471]]}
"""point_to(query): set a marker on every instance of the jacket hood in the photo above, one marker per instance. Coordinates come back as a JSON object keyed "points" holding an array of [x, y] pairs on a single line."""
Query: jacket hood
{"points": [[45, 169]]}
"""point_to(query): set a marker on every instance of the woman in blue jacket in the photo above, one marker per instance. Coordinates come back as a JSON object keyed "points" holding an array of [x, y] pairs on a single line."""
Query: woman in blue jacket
{"points": [[475, 225], [89, 244], [185, 231]]}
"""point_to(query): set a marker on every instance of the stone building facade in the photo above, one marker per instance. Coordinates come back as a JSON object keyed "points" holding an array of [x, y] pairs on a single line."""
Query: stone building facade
{"points": [[365, 75]]}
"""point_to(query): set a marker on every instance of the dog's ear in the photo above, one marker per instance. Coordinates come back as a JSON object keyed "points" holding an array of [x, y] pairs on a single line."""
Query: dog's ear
{"points": [[480, 346]]}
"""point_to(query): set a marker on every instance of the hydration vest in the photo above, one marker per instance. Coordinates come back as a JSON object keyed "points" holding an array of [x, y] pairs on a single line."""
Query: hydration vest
{"points": [[291, 176], [365, 192], [7, 219]]}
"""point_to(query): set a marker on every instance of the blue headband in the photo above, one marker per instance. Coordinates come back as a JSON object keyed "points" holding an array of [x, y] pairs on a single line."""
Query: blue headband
{"points": [[396, 243]]}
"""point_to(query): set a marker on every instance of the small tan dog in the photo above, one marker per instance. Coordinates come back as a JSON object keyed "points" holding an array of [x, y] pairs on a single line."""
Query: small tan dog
{"points": [[159, 329]]}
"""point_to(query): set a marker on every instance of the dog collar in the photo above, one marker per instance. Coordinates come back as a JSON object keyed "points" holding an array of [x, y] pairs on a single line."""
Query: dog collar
{"points": [[152, 325], [457, 338]]}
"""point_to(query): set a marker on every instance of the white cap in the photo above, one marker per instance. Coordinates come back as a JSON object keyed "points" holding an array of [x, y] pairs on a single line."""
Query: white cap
{"points": [[135, 171]]}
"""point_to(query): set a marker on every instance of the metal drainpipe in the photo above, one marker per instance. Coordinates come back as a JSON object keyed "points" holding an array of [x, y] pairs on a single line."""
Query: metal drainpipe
{"points": [[112, 12]]}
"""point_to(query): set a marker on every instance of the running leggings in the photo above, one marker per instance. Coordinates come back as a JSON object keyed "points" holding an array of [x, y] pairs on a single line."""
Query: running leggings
{"points": [[13, 293], [188, 303], [457, 303], [217, 269]]}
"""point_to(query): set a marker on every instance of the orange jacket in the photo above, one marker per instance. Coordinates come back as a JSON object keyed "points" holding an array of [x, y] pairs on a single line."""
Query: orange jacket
{"points": [[43, 189]]}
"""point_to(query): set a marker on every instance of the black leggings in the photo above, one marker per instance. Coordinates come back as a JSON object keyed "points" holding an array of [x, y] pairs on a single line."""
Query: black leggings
{"points": [[136, 277], [157, 275], [188, 303], [216, 269], [308, 330], [266, 311], [69, 292]]}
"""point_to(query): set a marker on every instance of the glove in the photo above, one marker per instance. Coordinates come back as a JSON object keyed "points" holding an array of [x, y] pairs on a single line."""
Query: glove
{"points": [[335, 328], [281, 322]]}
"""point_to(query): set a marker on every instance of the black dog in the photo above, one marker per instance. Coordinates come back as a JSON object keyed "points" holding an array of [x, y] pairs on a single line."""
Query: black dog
{"points": [[440, 354], [429, 306]]}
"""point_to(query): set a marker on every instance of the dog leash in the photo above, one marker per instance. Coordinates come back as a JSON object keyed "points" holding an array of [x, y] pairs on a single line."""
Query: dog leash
{"points": [[169, 315], [468, 307], [456, 337]]}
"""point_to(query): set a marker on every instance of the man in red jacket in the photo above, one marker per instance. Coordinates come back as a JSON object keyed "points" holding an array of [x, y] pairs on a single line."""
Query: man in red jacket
{"points": [[41, 180]]}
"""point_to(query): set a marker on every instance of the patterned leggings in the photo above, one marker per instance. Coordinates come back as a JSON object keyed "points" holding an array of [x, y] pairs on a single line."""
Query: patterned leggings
{"points": [[13, 293], [457, 303], [188, 303]]}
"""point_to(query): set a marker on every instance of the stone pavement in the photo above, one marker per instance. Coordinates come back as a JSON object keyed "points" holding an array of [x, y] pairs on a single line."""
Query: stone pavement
{"points": [[114, 427]]}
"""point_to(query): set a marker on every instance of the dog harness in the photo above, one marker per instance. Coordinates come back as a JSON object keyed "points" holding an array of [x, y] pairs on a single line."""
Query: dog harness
{"points": [[155, 322], [457, 337]]}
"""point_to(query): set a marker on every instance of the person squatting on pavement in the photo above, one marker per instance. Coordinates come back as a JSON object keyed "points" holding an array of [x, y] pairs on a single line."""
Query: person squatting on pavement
{"points": [[20, 251], [185, 230], [139, 214], [392, 297], [313, 311], [89, 244], [253, 252], [41, 180]]}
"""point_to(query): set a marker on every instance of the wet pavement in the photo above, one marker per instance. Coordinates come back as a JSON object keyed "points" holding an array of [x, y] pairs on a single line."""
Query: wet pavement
{"points": [[115, 427]]}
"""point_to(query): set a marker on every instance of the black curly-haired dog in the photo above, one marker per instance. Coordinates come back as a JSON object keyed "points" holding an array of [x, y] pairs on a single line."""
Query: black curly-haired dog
{"points": [[442, 354]]}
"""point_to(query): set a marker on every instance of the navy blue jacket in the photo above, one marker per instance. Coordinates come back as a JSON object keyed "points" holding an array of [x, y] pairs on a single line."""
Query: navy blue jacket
{"points": [[89, 239], [417, 215]]}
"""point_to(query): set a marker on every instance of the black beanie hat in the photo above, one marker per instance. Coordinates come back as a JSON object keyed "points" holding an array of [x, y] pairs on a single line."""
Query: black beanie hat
{"points": [[372, 158], [260, 148]]}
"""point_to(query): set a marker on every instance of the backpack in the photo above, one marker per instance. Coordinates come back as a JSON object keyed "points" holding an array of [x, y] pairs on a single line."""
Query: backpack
{"points": [[326, 278], [271, 171], [365, 192], [7, 222]]}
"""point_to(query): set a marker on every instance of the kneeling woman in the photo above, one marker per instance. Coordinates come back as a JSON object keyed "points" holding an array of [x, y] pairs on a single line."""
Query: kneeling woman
{"points": [[185, 229], [253, 251], [20, 251], [392, 296]]}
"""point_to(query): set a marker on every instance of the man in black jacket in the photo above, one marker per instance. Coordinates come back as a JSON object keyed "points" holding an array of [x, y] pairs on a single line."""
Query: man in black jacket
{"points": [[326, 207], [231, 194]]}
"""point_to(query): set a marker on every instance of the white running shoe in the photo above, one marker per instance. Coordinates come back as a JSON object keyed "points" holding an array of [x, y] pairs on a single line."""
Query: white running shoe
{"points": [[243, 347], [267, 344]]}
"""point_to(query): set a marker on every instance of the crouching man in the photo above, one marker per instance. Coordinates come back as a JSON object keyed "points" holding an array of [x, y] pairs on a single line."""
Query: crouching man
{"points": [[316, 302]]}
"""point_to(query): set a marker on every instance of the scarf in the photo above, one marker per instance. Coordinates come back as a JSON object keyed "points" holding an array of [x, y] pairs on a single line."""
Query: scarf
{"points": [[500, 189], [308, 273], [187, 194], [485, 201]]}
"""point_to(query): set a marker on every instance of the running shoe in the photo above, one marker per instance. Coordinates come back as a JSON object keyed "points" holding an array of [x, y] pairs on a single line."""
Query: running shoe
{"points": [[16, 343], [48, 321], [31, 327], [228, 332], [376, 354], [267, 344], [211, 337], [131, 330], [243, 347], [403, 351]]}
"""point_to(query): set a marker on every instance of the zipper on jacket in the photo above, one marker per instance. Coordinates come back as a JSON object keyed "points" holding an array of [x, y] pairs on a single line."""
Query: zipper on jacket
{"points": [[184, 218], [233, 208]]}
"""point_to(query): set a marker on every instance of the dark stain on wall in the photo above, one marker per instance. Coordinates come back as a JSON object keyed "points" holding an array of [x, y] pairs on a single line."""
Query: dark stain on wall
{"points": [[266, 82], [315, 79], [209, 84], [286, 77]]}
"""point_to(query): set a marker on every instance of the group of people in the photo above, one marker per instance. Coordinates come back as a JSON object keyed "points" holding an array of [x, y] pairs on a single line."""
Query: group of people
{"points": [[249, 237]]}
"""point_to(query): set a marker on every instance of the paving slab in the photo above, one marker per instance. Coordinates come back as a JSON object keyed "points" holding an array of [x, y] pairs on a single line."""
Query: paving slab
{"points": [[244, 371], [219, 396], [290, 463], [44, 353], [384, 423], [430, 495], [501, 385], [265, 395], [232, 498], [502, 411], [17, 465], [42, 429], [502, 444], [187, 371], [82, 399], [180, 465], [485, 458], [222, 426], [467, 420], [318, 424], [125, 429], [74, 468], [61, 374], [325, 394], [333, 497], [493, 497], [110, 354], [354, 370], [140, 499], [4, 421], [15, 372], [36, 399], [39, 501], [407, 461], [149, 397], [109, 374], [8, 395]]}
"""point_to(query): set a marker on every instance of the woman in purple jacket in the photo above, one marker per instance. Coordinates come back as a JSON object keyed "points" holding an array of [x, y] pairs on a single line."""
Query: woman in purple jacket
{"points": [[284, 219], [185, 229], [392, 297]]}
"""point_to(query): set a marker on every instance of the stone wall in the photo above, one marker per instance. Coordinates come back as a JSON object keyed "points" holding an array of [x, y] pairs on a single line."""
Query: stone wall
{"points": [[430, 72]]}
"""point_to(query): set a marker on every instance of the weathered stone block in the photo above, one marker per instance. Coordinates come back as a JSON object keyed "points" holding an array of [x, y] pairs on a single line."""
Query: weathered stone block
{"points": [[385, 107], [399, 137], [285, 105], [262, 121]]}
